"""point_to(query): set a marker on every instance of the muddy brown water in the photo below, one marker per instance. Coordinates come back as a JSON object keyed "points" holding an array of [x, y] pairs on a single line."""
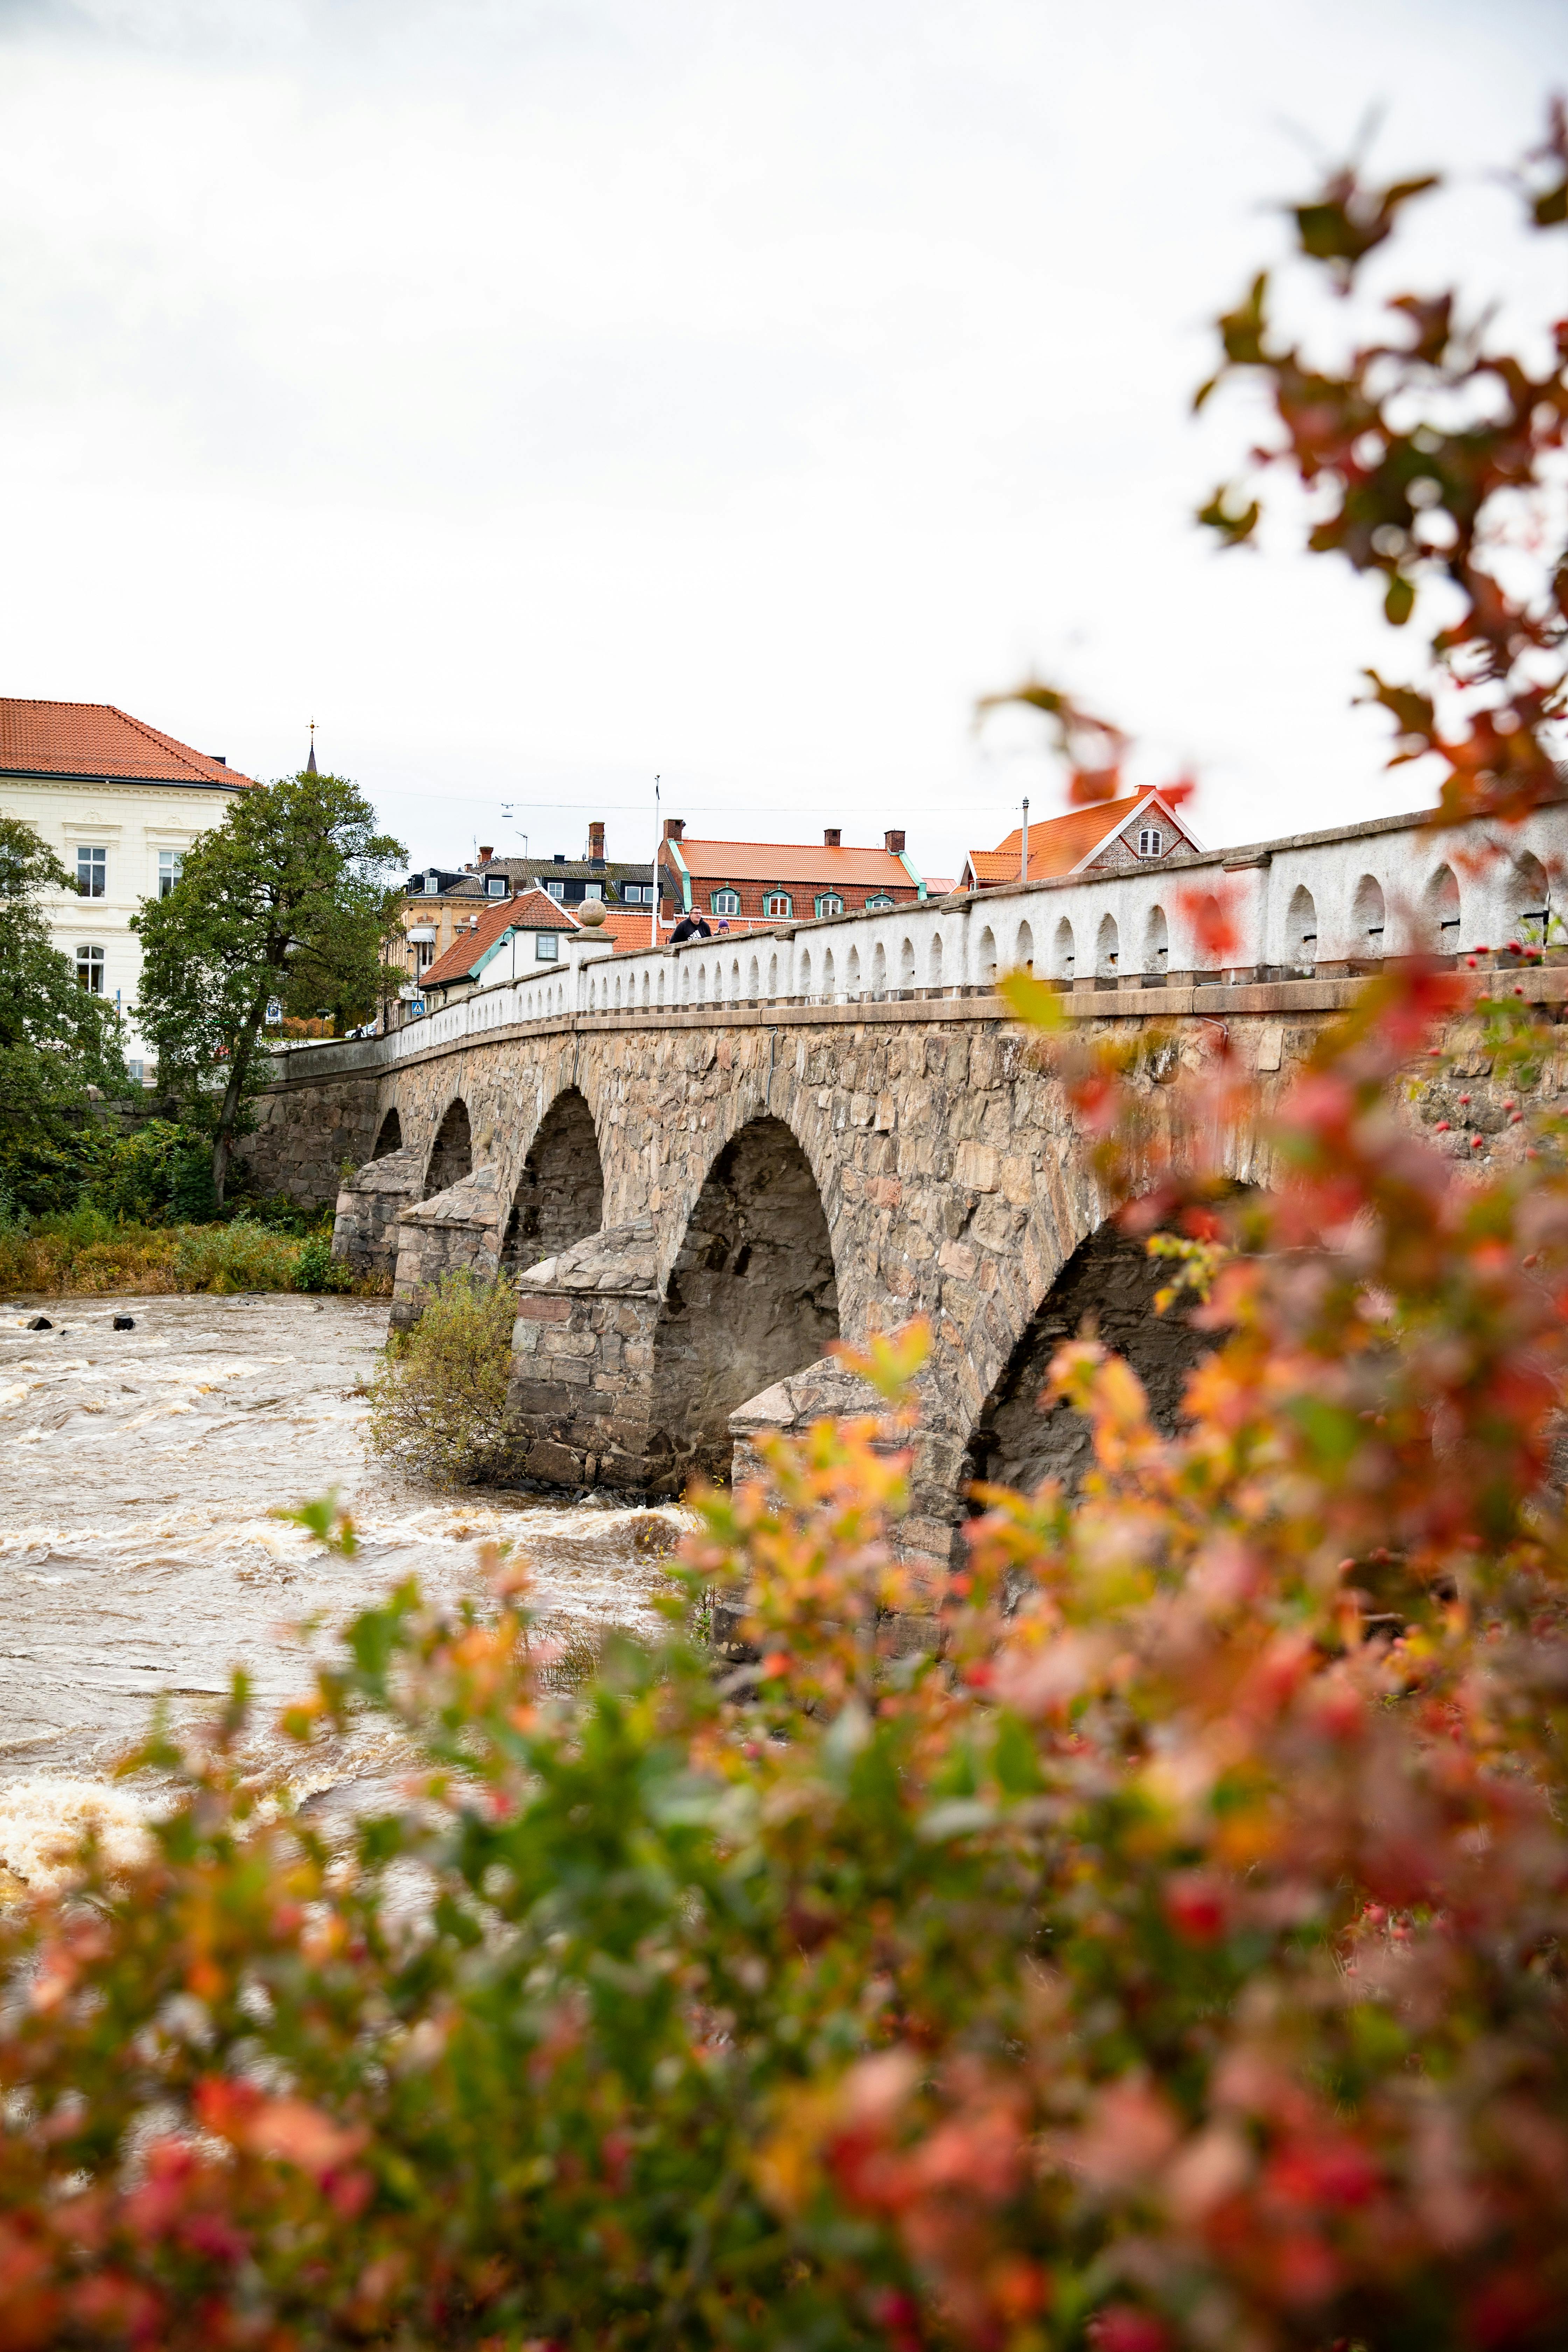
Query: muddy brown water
{"points": [[139, 1558]]}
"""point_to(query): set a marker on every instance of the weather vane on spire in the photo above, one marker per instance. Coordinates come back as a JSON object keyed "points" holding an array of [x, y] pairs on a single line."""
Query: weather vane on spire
{"points": [[311, 762]]}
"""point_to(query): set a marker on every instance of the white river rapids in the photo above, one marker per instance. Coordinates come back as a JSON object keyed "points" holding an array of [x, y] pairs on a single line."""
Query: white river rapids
{"points": [[139, 1559]]}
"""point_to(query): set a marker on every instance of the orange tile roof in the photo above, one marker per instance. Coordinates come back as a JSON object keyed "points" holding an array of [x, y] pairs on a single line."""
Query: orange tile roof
{"points": [[791, 861], [630, 928], [531, 910], [96, 738], [1057, 844]]}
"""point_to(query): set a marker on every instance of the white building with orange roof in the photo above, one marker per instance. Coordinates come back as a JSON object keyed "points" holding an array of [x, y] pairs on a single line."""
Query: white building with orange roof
{"points": [[746, 884], [1120, 837], [119, 802]]}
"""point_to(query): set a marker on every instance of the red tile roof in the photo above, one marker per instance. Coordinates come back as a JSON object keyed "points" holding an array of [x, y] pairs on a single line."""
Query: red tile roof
{"points": [[96, 740], [630, 928], [793, 861], [531, 910], [1057, 845]]}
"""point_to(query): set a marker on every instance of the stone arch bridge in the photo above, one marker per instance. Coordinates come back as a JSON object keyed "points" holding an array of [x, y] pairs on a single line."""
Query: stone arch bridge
{"points": [[694, 1203]]}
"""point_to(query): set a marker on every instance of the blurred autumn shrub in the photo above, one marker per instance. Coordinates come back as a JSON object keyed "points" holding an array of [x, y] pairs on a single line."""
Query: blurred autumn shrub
{"points": [[1174, 1957]]}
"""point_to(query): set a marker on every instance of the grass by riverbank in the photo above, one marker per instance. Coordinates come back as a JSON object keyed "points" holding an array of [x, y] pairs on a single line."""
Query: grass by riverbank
{"points": [[89, 1255]]}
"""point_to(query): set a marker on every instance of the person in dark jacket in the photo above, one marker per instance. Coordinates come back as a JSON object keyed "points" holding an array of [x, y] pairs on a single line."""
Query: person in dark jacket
{"points": [[691, 927]]}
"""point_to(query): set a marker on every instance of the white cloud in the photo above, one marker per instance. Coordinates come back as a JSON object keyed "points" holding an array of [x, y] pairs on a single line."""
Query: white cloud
{"points": [[544, 396]]}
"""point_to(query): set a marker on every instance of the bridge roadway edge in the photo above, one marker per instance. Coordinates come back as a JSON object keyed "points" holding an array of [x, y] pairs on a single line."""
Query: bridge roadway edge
{"points": [[946, 1163]]}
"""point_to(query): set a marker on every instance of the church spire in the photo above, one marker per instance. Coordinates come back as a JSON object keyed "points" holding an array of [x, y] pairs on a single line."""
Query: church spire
{"points": [[310, 769]]}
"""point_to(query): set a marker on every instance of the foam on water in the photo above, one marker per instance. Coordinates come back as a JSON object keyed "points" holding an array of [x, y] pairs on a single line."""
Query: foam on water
{"points": [[42, 1822], [139, 1558]]}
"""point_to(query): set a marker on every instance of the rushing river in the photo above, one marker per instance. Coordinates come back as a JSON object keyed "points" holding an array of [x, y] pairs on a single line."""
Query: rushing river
{"points": [[140, 1560]]}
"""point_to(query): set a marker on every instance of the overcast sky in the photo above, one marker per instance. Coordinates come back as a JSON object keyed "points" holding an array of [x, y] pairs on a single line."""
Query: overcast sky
{"points": [[544, 394]]}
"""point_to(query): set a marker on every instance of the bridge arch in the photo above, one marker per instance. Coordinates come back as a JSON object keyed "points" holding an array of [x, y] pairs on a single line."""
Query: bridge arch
{"points": [[560, 1193], [1104, 1288], [752, 1296], [389, 1134], [452, 1153]]}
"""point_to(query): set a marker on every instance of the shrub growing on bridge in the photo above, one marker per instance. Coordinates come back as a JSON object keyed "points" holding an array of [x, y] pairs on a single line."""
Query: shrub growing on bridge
{"points": [[438, 1405]]}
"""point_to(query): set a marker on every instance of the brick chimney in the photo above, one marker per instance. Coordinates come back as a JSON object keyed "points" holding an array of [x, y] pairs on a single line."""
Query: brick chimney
{"points": [[831, 836], [674, 826], [485, 853], [895, 842], [596, 842]]}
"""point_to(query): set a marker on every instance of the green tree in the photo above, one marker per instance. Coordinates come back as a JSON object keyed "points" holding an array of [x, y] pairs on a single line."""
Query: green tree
{"points": [[56, 1039], [286, 897]]}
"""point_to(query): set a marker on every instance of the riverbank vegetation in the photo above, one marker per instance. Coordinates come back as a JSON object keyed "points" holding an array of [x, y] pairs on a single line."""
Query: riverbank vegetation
{"points": [[88, 1254]]}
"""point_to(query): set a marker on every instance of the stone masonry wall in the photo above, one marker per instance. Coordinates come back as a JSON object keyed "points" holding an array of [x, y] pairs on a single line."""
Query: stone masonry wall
{"points": [[951, 1175]]}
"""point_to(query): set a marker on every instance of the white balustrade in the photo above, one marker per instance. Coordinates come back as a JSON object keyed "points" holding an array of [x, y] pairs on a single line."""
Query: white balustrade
{"points": [[1395, 886]]}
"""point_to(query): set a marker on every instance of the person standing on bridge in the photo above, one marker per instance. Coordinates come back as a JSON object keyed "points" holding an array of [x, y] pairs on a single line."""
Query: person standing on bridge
{"points": [[691, 927]]}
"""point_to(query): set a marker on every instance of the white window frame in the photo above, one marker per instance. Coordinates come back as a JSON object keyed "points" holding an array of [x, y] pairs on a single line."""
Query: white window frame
{"points": [[592, 889], [777, 903], [546, 947], [497, 886], [424, 955], [91, 870], [828, 902], [556, 889], [1151, 842], [90, 968], [726, 901], [171, 864], [879, 903]]}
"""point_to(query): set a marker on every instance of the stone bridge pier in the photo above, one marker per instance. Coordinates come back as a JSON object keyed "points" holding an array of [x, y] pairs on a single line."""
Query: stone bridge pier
{"points": [[694, 1204]]}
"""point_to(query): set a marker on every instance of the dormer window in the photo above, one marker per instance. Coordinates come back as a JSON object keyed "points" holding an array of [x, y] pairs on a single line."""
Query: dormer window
{"points": [[432, 885], [778, 902], [497, 886], [726, 902], [1150, 841], [828, 902], [556, 889], [878, 904]]}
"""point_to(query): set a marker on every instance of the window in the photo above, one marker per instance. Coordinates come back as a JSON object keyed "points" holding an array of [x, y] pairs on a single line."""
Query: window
{"points": [[778, 902], [1150, 841], [170, 862], [424, 954], [546, 948], [828, 902], [432, 884], [878, 904], [726, 902], [91, 872], [497, 886], [592, 889], [89, 969], [556, 889]]}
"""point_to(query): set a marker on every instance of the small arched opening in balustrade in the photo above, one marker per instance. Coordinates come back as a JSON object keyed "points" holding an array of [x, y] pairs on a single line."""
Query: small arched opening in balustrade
{"points": [[1064, 952], [985, 955], [1440, 913], [1156, 943], [878, 970], [852, 972], [1107, 949], [934, 963], [1301, 930], [1368, 918], [1529, 902]]}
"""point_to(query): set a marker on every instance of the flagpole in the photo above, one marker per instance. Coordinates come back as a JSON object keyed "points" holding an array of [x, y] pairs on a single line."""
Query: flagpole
{"points": [[657, 838]]}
